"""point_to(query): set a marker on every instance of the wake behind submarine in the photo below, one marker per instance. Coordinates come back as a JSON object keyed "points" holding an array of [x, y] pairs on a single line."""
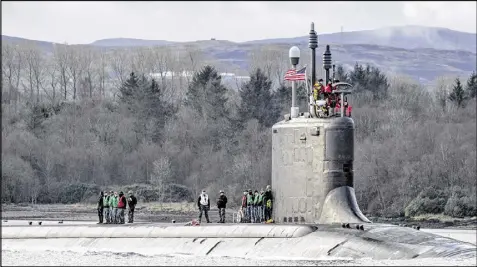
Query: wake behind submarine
{"points": [[315, 209]]}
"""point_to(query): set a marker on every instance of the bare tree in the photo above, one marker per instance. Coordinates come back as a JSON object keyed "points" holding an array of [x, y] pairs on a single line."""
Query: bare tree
{"points": [[52, 71], [102, 71], [12, 60], [272, 60], [193, 59], [62, 61], [30, 58], [89, 61], [139, 57], [120, 65], [39, 69], [442, 89], [159, 57], [76, 66]]}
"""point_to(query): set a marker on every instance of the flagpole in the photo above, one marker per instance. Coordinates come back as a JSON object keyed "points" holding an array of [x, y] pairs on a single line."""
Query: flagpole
{"points": [[306, 82]]}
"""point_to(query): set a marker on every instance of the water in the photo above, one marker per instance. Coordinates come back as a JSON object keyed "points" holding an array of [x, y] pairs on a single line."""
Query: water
{"points": [[69, 258], [38, 256], [469, 236]]}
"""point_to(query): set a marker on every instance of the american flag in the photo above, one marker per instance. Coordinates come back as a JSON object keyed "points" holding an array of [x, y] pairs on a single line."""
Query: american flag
{"points": [[293, 75]]}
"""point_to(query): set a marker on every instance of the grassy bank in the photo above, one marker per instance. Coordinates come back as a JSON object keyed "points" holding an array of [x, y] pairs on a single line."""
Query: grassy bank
{"points": [[186, 211], [431, 221]]}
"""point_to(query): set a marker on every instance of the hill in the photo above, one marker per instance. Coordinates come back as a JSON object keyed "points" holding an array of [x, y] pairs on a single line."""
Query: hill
{"points": [[47, 46], [127, 42], [408, 37], [424, 53]]}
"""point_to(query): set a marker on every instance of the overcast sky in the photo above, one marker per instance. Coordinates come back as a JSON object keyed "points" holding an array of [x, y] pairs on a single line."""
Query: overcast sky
{"points": [[85, 22]]}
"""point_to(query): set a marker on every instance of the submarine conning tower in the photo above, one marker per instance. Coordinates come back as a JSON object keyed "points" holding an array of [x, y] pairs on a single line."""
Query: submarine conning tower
{"points": [[312, 164]]}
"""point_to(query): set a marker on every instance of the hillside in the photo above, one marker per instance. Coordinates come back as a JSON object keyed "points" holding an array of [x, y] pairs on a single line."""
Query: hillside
{"points": [[126, 42], [407, 37], [421, 52]]}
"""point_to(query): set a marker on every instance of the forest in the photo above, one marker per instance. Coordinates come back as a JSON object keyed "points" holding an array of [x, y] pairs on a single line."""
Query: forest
{"points": [[78, 120]]}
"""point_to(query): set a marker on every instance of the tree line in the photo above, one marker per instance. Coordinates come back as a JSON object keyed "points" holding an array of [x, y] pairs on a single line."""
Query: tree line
{"points": [[168, 138]]}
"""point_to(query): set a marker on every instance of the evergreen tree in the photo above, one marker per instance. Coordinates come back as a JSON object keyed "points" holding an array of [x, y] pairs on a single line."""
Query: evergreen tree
{"points": [[128, 88], [341, 74], [471, 90], [206, 94], [377, 83], [357, 75], [145, 100], [157, 109], [457, 95], [257, 102], [369, 79]]}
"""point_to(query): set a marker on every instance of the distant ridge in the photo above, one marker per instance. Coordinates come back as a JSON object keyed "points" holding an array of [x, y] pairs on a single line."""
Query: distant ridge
{"points": [[125, 42], [407, 37], [423, 53]]}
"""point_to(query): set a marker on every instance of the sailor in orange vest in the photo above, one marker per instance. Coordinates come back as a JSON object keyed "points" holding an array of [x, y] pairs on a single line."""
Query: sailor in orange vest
{"points": [[317, 90]]}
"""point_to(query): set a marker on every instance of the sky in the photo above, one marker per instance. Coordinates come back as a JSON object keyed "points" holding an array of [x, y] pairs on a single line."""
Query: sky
{"points": [[85, 22]]}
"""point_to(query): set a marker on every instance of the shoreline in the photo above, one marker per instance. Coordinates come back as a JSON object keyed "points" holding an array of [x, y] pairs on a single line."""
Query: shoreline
{"points": [[185, 212]]}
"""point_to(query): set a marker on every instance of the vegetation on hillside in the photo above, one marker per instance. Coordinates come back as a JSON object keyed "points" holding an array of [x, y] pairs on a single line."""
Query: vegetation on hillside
{"points": [[168, 139]]}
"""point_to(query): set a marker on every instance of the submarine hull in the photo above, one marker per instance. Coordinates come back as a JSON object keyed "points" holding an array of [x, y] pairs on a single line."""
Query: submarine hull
{"points": [[376, 241]]}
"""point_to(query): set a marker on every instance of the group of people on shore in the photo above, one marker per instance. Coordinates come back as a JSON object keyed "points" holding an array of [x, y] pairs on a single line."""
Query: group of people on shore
{"points": [[112, 206], [257, 207], [203, 203]]}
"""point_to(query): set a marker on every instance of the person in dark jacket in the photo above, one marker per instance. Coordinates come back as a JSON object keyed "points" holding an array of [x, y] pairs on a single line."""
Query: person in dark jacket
{"points": [[221, 205], [132, 201], [250, 199], [121, 207], [203, 203], [101, 207], [262, 215], [268, 200]]}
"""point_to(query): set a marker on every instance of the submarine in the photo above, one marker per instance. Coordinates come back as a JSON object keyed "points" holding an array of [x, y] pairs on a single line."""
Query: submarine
{"points": [[315, 211], [312, 159]]}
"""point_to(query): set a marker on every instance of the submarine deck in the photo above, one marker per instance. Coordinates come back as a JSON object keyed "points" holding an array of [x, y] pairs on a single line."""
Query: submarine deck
{"points": [[377, 241]]}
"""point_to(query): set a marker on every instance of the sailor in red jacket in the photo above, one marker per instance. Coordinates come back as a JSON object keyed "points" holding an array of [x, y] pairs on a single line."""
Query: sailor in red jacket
{"points": [[338, 107], [334, 87], [328, 89], [347, 107], [244, 207], [121, 207]]}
